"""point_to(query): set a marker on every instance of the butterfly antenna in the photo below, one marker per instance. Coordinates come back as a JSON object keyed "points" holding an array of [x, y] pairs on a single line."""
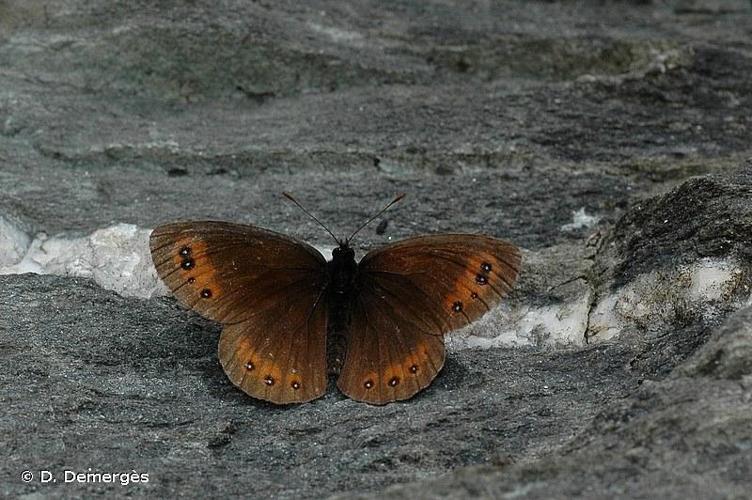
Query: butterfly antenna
{"points": [[309, 214], [395, 200]]}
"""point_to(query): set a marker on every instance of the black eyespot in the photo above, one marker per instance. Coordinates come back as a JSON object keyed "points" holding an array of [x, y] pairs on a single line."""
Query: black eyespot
{"points": [[295, 385], [486, 267], [457, 306], [368, 384], [414, 369], [249, 366], [206, 293], [394, 381], [480, 279], [269, 380], [191, 280], [187, 264], [185, 251], [473, 295]]}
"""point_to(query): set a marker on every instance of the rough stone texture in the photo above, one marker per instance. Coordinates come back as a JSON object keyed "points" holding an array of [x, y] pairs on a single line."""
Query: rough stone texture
{"points": [[685, 439], [728, 354], [705, 217], [675, 260], [119, 383], [501, 117]]}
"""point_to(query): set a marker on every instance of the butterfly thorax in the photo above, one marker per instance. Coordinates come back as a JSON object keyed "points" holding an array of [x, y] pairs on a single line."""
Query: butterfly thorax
{"points": [[342, 270]]}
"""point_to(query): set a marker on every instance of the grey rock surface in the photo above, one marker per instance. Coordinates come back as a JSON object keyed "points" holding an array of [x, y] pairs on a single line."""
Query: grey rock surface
{"points": [[609, 139], [726, 355], [121, 383]]}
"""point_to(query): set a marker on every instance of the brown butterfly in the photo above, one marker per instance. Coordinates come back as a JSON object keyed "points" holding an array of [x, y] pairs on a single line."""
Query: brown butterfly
{"points": [[290, 317]]}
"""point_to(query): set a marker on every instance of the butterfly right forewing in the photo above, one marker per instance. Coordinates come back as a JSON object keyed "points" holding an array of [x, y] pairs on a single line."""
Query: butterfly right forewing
{"points": [[456, 278]]}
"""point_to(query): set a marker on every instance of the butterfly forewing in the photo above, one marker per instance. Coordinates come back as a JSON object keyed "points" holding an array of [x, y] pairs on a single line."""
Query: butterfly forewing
{"points": [[229, 272], [411, 293], [266, 289], [452, 278]]}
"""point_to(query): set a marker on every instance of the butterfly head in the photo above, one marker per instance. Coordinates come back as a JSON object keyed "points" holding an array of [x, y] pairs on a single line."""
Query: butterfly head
{"points": [[343, 251]]}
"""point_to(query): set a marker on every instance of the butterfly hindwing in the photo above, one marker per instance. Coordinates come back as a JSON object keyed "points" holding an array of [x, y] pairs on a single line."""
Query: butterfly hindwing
{"points": [[281, 357], [410, 294], [387, 359], [266, 289]]}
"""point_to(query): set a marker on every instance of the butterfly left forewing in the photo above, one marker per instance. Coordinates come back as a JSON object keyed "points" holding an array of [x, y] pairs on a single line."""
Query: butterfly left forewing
{"points": [[411, 293], [219, 268]]}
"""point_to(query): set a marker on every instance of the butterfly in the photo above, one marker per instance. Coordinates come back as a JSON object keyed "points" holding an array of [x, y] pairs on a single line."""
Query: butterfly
{"points": [[290, 317]]}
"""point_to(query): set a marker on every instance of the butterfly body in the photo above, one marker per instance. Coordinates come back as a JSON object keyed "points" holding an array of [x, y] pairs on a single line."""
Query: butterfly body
{"points": [[290, 317], [341, 291]]}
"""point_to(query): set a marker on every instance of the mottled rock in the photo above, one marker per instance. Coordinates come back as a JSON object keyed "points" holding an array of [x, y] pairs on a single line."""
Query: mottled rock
{"points": [[648, 445], [676, 260], [727, 354]]}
